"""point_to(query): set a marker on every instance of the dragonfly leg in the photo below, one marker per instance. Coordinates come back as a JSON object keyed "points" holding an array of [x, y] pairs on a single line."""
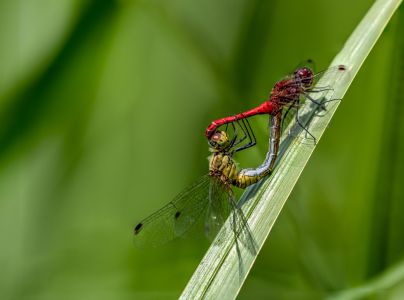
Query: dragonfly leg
{"points": [[250, 134], [330, 100], [285, 115], [320, 104], [233, 140], [318, 89], [244, 133], [253, 140], [303, 127]]}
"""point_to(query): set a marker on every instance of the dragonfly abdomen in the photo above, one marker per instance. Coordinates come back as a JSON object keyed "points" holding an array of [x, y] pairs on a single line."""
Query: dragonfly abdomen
{"points": [[243, 180], [250, 176], [224, 167]]}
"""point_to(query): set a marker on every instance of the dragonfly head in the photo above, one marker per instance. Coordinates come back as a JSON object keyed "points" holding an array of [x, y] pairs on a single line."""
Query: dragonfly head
{"points": [[219, 141], [304, 76]]}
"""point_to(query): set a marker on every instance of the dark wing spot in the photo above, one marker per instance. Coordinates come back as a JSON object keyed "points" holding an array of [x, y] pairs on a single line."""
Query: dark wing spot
{"points": [[341, 67], [177, 215], [138, 228]]}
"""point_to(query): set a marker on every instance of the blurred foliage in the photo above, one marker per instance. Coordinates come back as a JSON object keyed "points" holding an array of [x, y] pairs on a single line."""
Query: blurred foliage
{"points": [[103, 106]]}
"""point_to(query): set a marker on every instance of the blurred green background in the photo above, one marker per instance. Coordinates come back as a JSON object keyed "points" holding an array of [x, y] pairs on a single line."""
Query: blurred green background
{"points": [[103, 106]]}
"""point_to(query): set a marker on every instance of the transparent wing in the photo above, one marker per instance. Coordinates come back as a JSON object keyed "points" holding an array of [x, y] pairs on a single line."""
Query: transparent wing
{"points": [[222, 204], [240, 227], [218, 208], [175, 218], [316, 76], [308, 63]]}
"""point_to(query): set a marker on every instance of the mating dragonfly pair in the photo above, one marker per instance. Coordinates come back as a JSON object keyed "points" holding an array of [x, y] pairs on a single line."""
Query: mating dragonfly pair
{"points": [[211, 197]]}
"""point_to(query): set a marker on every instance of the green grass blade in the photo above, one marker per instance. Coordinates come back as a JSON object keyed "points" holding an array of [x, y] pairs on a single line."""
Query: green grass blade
{"points": [[381, 285], [225, 266]]}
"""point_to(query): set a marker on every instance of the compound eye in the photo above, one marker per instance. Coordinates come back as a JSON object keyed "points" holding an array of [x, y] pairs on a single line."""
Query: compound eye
{"points": [[215, 140], [305, 75], [216, 136]]}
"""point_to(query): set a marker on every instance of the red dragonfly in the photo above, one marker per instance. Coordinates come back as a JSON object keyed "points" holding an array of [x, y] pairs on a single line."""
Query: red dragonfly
{"points": [[285, 94]]}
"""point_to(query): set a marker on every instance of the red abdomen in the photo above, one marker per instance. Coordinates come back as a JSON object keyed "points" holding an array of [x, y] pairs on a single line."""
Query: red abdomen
{"points": [[268, 107]]}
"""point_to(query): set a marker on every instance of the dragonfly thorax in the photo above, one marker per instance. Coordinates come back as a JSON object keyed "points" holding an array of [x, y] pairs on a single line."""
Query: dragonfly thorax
{"points": [[222, 166], [285, 92]]}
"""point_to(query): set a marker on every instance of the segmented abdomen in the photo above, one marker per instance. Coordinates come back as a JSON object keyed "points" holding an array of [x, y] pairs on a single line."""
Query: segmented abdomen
{"points": [[224, 167], [250, 176], [244, 180]]}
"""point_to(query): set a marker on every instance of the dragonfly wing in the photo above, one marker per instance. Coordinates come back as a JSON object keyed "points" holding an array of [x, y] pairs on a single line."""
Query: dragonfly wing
{"points": [[218, 208], [175, 218], [240, 227], [222, 204], [191, 204]]}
